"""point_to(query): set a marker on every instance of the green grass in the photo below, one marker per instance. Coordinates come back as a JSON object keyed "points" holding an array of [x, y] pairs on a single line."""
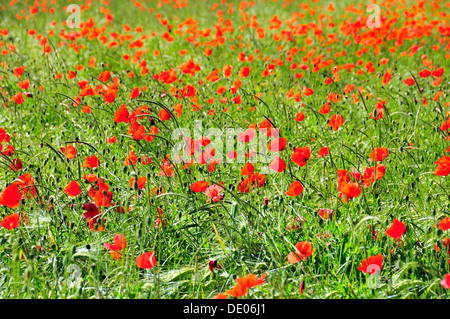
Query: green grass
{"points": [[240, 232]]}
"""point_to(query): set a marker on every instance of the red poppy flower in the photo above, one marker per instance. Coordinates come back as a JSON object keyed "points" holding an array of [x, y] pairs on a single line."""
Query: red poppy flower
{"points": [[244, 186], [87, 91], [110, 95], [25, 184], [131, 159], [409, 81], [425, 73], [396, 230], [251, 280], [350, 190], [199, 186], [91, 162], [307, 91], [164, 115], [335, 122], [369, 174], [301, 155], [3, 136], [232, 154], [111, 140], [116, 248], [324, 151], [244, 72], [18, 98], [278, 144], [438, 73], [167, 169], [69, 151], [103, 198], [325, 213], [372, 264], [119, 243], [325, 109], [299, 117], [277, 164], [11, 196], [92, 213], [377, 114], [446, 125], [386, 78], [10, 221], [104, 77], [444, 224], [91, 178], [303, 251], [24, 84], [379, 154], [244, 283], [213, 192], [446, 282], [443, 166], [146, 260], [248, 169], [237, 291], [73, 189], [9, 150], [247, 136], [134, 93], [122, 115], [16, 165], [141, 181], [295, 189]]}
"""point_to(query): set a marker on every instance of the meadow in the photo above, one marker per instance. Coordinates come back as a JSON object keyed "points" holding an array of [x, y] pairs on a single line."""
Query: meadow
{"points": [[200, 149]]}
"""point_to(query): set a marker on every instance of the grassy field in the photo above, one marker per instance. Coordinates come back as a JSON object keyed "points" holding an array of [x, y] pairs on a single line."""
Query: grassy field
{"points": [[339, 187]]}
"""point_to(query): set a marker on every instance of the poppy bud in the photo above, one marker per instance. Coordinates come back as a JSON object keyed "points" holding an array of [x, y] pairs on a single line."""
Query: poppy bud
{"points": [[28, 274], [302, 287]]}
